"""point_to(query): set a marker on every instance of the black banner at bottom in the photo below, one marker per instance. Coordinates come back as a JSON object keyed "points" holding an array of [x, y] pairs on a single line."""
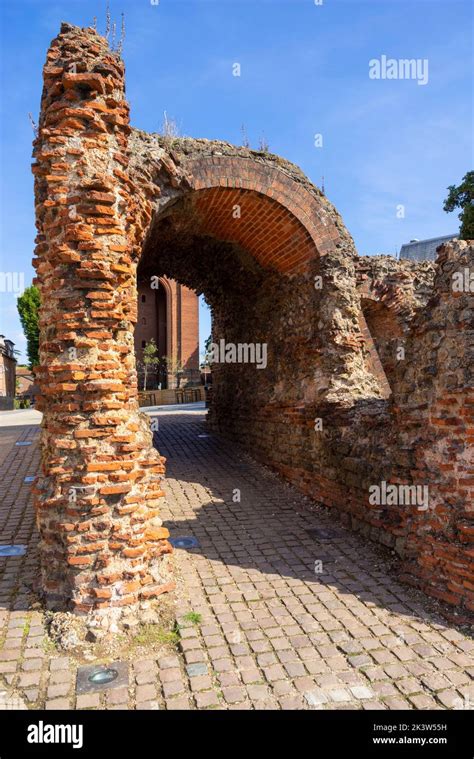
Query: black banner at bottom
{"points": [[374, 733]]}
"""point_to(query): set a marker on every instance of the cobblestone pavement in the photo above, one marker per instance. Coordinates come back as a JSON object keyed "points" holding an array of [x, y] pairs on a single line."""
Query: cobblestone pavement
{"points": [[272, 614]]}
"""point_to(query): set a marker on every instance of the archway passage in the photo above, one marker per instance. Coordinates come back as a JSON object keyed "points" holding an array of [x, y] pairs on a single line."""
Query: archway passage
{"points": [[106, 196], [259, 267], [280, 271]]}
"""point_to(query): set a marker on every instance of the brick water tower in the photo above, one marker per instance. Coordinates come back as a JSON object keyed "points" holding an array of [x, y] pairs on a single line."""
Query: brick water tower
{"points": [[169, 315]]}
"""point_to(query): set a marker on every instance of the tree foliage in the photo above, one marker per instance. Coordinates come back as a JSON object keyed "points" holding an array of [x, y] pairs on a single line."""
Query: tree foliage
{"points": [[174, 367], [463, 197], [28, 305], [207, 350], [150, 358]]}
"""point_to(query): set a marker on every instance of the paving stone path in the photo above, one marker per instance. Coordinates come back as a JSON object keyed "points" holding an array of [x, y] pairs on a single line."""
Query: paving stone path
{"points": [[288, 609]]}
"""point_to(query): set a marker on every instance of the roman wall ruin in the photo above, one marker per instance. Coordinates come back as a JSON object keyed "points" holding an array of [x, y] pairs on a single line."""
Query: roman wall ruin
{"points": [[337, 410]]}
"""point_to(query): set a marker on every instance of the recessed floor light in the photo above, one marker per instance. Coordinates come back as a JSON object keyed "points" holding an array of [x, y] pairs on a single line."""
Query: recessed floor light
{"points": [[18, 550], [24, 442], [29, 479], [184, 542], [97, 677], [323, 533], [103, 676]]}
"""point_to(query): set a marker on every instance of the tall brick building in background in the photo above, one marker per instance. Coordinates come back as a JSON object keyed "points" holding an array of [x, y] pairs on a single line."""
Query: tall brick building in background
{"points": [[169, 315]]}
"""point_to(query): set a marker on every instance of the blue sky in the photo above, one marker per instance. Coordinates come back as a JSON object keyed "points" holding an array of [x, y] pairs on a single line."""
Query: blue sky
{"points": [[304, 71]]}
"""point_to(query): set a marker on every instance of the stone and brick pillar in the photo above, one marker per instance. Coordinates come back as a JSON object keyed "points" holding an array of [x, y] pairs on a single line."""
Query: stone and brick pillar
{"points": [[103, 547]]}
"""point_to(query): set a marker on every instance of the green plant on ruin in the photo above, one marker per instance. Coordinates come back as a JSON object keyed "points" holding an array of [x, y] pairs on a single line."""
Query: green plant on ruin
{"points": [[111, 31], [170, 131], [34, 125], [245, 139], [263, 145], [122, 36], [107, 21]]}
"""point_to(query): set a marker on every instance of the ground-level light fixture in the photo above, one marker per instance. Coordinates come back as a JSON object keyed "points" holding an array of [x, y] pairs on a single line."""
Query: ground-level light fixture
{"points": [[184, 542], [103, 676], [324, 533], [97, 677], [12, 550]]}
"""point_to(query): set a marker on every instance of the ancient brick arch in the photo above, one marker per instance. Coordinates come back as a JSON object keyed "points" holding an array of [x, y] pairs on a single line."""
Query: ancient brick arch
{"points": [[234, 227], [264, 227], [300, 226], [284, 273]]}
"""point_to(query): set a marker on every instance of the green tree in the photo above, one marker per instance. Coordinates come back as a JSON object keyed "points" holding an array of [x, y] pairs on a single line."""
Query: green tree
{"points": [[28, 305], [207, 350], [205, 364], [174, 367], [463, 197], [150, 358]]}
